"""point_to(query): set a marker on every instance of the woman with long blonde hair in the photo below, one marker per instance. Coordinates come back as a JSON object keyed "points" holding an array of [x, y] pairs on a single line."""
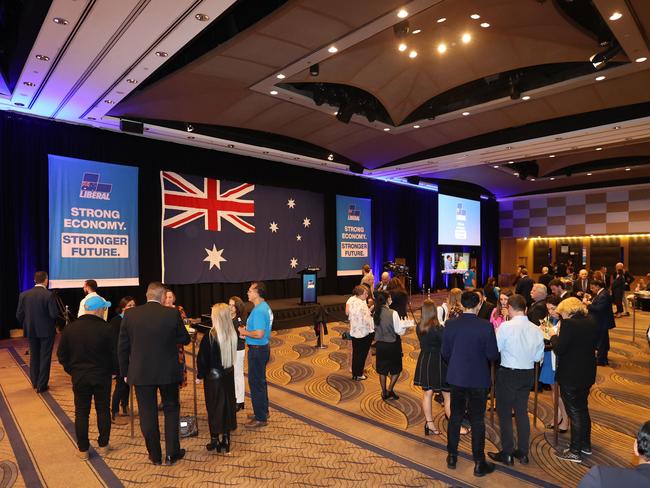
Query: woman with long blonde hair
{"points": [[215, 361]]}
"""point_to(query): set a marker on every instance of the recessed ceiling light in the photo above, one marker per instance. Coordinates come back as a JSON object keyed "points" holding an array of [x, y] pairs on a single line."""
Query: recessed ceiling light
{"points": [[525, 97], [532, 179], [91, 118], [43, 57], [191, 137], [641, 59], [485, 25], [110, 102], [273, 92], [442, 47], [589, 174], [19, 104], [402, 14], [475, 16], [552, 178], [516, 174], [386, 129], [600, 78], [551, 155], [231, 145], [416, 126], [466, 113], [280, 76], [402, 47], [202, 17], [131, 80], [441, 20], [510, 162], [161, 54], [599, 149], [467, 37], [495, 166], [296, 158], [616, 127], [615, 16], [335, 113], [413, 54], [29, 83], [332, 49], [417, 31], [627, 169], [60, 21]]}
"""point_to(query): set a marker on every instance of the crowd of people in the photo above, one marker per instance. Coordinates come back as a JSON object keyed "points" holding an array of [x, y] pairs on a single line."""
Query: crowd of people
{"points": [[562, 325]]}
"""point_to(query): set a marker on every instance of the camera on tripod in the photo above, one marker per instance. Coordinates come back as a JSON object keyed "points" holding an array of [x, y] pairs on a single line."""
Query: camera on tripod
{"points": [[396, 269]]}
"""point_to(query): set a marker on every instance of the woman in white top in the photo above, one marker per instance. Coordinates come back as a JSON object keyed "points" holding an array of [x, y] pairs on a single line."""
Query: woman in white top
{"points": [[361, 330]]}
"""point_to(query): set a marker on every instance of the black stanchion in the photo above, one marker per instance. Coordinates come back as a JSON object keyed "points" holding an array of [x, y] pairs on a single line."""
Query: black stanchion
{"points": [[536, 394]]}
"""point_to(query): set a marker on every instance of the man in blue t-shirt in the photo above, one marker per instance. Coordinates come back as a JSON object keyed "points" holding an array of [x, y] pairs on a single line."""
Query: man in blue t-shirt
{"points": [[257, 333], [469, 278]]}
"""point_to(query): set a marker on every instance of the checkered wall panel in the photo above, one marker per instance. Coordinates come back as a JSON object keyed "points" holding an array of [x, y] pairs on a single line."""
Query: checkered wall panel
{"points": [[624, 211]]}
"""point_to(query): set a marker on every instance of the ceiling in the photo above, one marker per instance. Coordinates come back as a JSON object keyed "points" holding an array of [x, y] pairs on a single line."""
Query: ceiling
{"points": [[521, 89]]}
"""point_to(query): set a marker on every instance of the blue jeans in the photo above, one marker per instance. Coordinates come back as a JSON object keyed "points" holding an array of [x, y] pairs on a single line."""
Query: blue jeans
{"points": [[258, 357]]}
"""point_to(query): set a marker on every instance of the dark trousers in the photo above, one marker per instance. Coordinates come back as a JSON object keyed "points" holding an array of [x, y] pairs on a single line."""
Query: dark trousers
{"points": [[84, 391], [512, 390], [575, 401], [474, 399], [148, 412], [602, 345], [120, 395], [40, 359], [258, 357], [360, 348]]}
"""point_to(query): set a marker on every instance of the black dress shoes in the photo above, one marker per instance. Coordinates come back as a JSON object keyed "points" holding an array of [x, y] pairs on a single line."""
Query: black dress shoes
{"points": [[156, 462], [502, 457], [523, 458], [452, 459], [170, 460], [481, 468]]}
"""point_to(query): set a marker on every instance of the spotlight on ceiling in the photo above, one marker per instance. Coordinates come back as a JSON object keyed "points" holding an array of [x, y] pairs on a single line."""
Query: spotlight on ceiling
{"points": [[442, 48], [485, 25], [615, 16], [330, 157], [413, 54], [401, 29], [189, 128], [402, 47], [332, 49], [314, 69], [467, 37], [642, 59], [599, 60], [402, 14]]}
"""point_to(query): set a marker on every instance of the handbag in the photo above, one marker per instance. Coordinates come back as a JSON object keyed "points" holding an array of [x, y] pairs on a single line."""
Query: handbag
{"points": [[188, 426]]}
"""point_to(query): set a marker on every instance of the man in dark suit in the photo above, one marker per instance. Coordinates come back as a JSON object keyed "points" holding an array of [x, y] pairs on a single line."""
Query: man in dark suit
{"points": [[546, 277], [468, 346], [537, 311], [600, 308], [581, 284], [606, 476], [36, 312], [524, 285], [486, 307], [558, 288], [86, 353], [148, 356]]}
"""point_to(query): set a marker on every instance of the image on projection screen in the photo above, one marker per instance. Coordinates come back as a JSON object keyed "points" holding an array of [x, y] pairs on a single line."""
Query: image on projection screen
{"points": [[459, 221]]}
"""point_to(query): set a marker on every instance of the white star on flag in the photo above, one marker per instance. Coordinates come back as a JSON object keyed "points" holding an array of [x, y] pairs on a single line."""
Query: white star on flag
{"points": [[214, 257], [299, 237], [293, 263], [291, 203], [306, 222], [274, 227]]}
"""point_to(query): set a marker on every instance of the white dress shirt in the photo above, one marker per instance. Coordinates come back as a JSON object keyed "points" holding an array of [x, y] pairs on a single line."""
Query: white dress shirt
{"points": [[520, 342]]}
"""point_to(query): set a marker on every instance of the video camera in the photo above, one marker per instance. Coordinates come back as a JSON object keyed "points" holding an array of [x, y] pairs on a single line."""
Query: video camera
{"points": [[396, 269]]}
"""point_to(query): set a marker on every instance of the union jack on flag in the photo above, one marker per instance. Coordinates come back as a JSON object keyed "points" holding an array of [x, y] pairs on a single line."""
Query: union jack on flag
{"points": [[209, 204]]}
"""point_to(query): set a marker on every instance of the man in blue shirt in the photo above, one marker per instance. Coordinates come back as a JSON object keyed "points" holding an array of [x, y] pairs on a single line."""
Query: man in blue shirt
{"points": [[468, 346], [469, 278], [257, 333], [521, 344]]}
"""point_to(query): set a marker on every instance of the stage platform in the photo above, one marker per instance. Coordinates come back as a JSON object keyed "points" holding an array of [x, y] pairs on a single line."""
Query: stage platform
{"points": [[288, 313]]}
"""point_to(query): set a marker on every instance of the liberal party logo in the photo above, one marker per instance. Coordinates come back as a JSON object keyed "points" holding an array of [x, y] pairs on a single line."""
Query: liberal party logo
{"points": [[92, 188], [354, 213]]}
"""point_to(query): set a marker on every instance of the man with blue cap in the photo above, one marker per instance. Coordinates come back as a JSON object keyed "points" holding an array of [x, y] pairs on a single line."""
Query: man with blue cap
{"points": [[86, 353]]}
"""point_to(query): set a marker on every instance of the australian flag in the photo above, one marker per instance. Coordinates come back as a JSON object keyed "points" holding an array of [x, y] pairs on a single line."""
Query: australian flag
{"points": [[223, 231]]}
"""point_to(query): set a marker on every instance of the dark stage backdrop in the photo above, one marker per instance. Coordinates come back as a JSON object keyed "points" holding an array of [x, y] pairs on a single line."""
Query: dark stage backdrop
{"points": [[403, 218]]}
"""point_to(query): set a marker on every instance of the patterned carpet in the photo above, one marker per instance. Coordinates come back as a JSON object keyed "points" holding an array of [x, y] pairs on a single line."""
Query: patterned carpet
{"points": [[327, 430]]}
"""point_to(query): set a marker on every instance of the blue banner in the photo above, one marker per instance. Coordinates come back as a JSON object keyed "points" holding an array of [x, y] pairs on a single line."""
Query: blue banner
{"points": [[93, 223], [224, 231], [353, 232]]}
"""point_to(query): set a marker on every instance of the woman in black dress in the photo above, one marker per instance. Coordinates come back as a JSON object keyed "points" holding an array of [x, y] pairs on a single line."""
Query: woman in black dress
{"points": [[121, 391], [217, 355], [431, 370]]}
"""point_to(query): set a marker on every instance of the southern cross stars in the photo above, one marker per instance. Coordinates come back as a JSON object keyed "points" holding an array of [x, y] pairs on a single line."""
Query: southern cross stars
{"points": [[274, 227], [291, 203], [306, 222], [214, 257], [293, 263]]}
